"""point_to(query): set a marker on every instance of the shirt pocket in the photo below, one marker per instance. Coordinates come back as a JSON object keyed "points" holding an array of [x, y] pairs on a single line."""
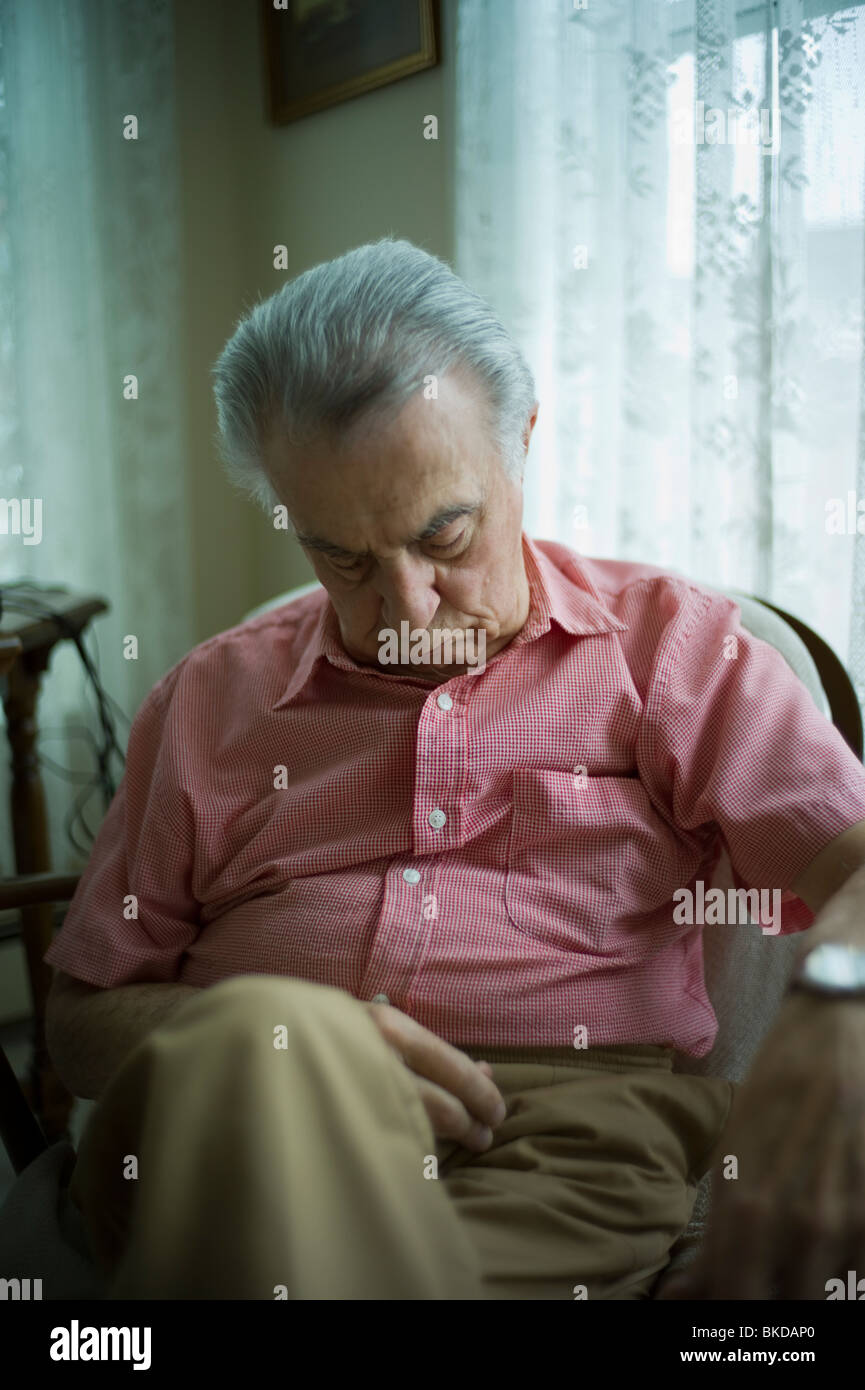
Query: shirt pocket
{"points": [[592, 866]]}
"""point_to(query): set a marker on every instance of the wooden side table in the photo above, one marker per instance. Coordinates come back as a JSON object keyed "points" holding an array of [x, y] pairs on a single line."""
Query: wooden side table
{"points": [[26, 643]]}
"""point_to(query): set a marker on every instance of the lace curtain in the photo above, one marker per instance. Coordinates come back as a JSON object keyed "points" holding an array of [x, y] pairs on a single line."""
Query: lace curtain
{"points": [[664, 201], [89, 295]]}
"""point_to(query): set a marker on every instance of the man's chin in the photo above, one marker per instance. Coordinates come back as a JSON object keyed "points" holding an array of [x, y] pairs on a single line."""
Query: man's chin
{"points": [[425, 670], [422, 672], [419, 670], [383, 660]]}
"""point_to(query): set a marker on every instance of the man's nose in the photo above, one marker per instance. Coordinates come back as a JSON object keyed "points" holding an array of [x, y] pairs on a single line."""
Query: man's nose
{"points": [[408, 594]]}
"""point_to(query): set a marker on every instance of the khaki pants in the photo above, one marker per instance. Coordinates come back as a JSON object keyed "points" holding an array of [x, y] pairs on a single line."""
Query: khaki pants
{"points": [[307, 1171]]}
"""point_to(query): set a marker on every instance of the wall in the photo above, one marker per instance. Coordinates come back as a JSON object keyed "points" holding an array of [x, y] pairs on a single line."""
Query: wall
{"points": [[320, 185]]}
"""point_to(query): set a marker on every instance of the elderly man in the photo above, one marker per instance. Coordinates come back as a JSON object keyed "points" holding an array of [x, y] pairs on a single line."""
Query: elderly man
{"points": [[375, 968]]}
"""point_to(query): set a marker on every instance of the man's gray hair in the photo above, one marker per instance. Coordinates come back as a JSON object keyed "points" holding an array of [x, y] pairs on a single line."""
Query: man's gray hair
{"points": [[356, 337]]}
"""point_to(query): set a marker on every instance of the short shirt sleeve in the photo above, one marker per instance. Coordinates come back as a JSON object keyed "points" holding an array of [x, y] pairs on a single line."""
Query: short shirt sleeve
{"points": [[133, 914], [731, 738]]}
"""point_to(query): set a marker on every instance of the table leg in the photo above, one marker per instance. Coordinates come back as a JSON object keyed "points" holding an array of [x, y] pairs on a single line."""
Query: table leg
{"points": [[46, 1093]]}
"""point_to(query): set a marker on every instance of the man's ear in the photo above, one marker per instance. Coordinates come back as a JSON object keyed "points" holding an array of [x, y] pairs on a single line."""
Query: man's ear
{"points": [[530, 424]]}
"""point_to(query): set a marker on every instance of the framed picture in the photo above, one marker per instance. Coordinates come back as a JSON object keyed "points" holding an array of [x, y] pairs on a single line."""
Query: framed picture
{"points": [[321, 52]]}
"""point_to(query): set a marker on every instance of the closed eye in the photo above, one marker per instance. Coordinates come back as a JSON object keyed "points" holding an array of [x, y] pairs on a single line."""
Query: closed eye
{"points": [[439, 547], [350, 567]]}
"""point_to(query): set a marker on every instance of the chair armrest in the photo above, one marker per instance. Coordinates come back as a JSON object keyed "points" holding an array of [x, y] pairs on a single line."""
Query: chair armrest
{"points": [[27, 889]]}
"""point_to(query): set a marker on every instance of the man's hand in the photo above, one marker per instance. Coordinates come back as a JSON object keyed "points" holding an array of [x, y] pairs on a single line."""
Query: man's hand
{"points": [[457, 1093], [795, 1216]]}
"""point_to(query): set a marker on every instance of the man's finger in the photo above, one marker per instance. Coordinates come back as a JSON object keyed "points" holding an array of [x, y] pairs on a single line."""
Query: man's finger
{"points": [[436, 1060], [450, 1119]]}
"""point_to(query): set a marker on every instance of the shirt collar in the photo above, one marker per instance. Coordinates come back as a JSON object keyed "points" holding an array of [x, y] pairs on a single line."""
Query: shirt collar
{"points": [[560, 591]]}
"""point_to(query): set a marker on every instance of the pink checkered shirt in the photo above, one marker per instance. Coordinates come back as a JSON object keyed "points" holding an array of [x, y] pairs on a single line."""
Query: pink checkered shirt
{"points": [[544, 900]]}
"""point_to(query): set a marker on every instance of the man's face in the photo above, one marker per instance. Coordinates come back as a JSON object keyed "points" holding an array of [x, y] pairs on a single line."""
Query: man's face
{"points": [[413, 522]]}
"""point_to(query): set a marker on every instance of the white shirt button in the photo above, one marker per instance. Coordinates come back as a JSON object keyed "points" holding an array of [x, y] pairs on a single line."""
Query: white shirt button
{"points": [[411, 875], [437, 819], [380, 999], [444, 700]]}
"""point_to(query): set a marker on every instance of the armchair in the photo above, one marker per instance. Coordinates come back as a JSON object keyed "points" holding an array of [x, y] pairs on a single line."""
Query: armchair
{"points": [[41, 1231]]}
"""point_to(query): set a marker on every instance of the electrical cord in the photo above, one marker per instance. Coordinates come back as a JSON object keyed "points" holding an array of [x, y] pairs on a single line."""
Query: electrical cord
{"points": [[20, 597]]}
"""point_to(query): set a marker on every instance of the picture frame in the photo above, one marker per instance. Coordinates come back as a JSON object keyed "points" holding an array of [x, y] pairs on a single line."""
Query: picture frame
{"points": [[319, 53]]}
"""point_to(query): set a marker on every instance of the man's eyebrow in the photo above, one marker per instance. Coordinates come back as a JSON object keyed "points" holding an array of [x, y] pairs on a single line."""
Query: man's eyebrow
{"points": [[445, 517], [325, 547], [436, 524]]}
